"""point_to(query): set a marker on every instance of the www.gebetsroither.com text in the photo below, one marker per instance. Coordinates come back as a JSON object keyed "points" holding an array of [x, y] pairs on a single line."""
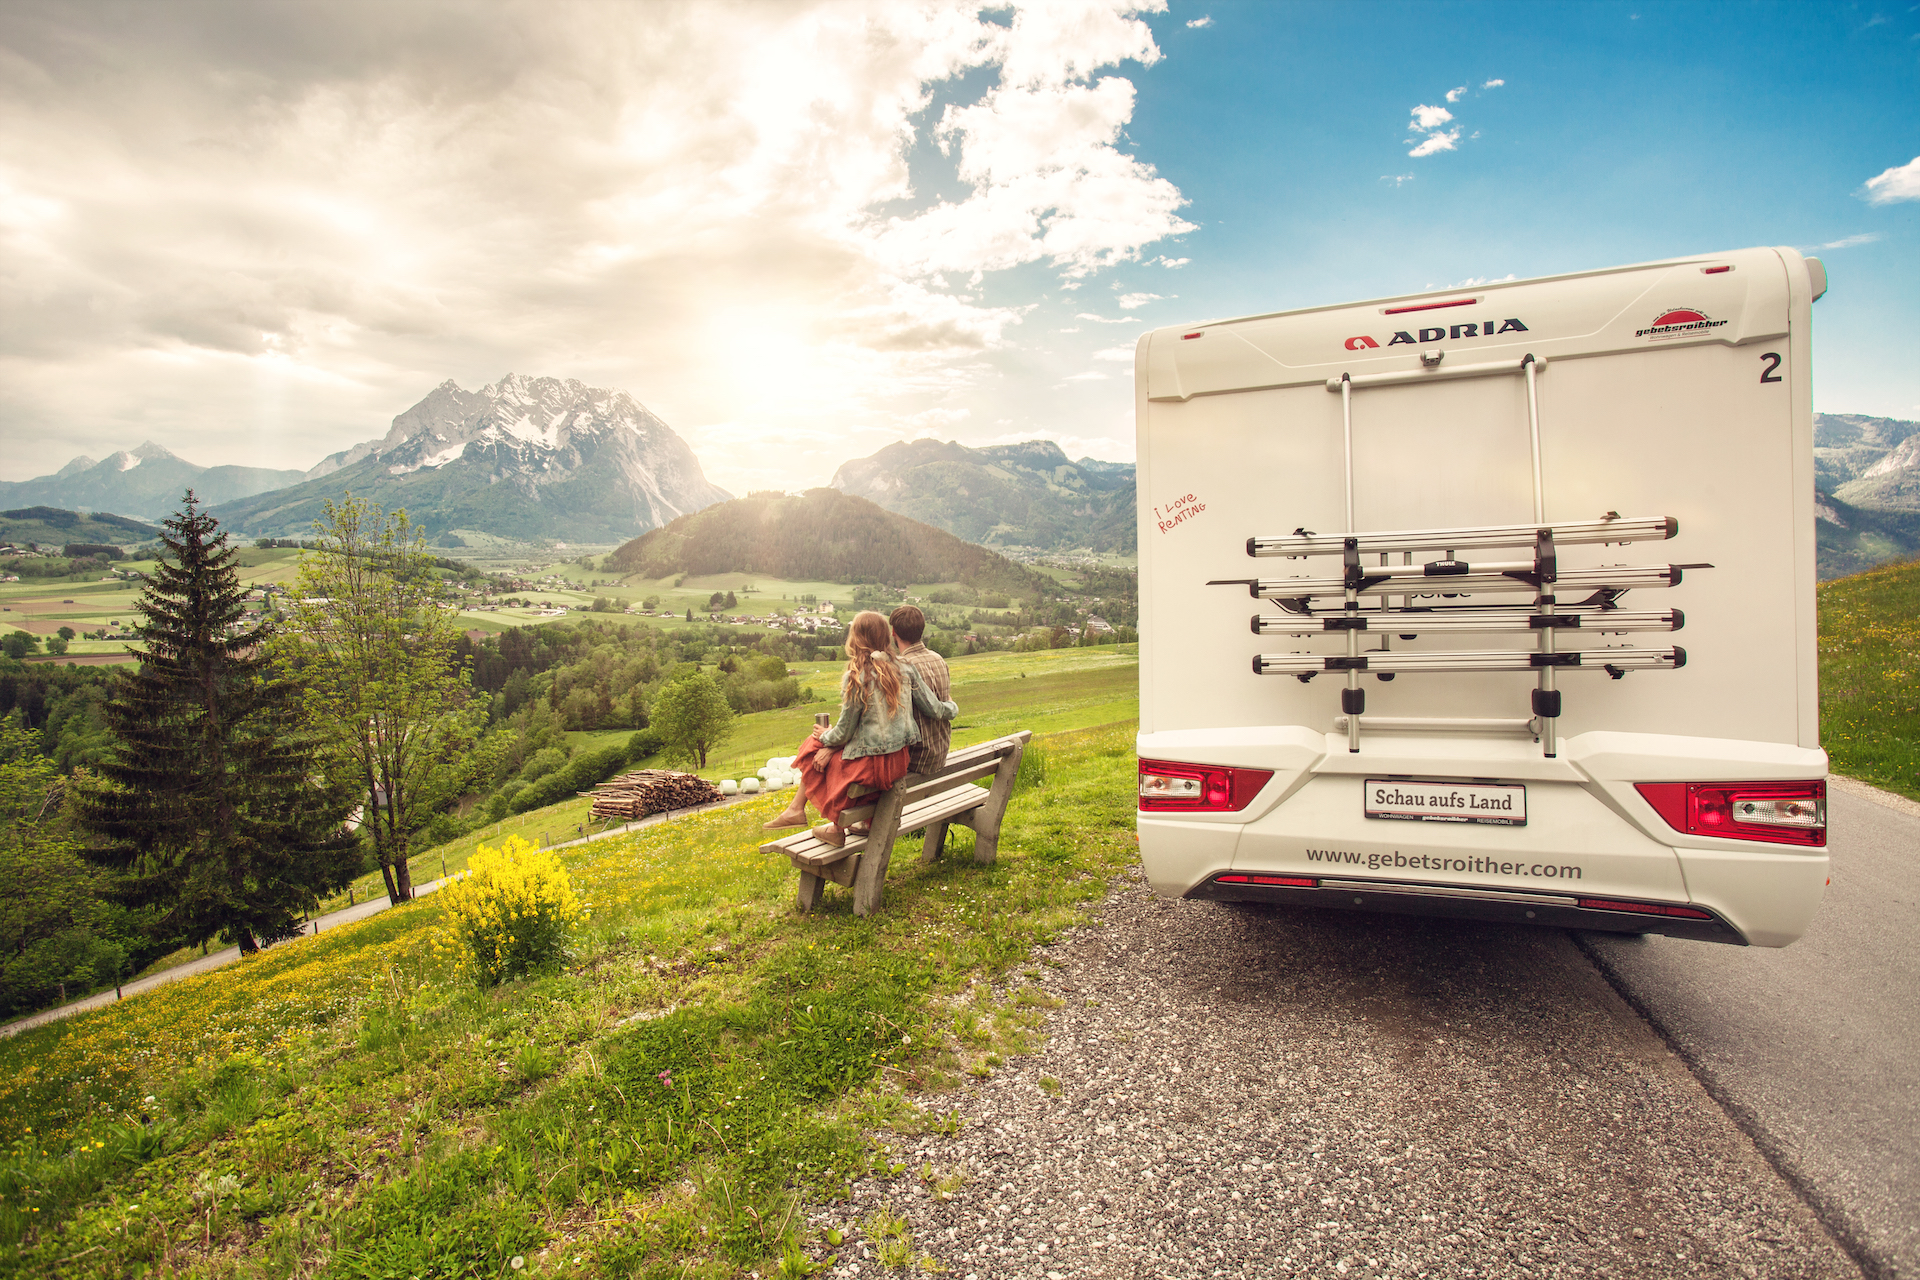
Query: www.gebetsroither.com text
{"points": [[1428, 862]]}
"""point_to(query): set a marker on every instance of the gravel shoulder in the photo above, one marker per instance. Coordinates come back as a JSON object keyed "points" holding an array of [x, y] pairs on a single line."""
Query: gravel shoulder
{"points": [[1257, 1091]]}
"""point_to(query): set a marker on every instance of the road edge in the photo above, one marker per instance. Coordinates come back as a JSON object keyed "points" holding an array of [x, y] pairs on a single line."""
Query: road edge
{"points": [[1833, 1218]]}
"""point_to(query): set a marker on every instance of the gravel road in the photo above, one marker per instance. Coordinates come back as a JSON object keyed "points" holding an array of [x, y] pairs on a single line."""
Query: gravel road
{"points": [[1256, 1091]]}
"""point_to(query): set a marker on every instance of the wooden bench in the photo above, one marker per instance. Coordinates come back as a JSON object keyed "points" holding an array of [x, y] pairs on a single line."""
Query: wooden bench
{"points": [[933, 803]]}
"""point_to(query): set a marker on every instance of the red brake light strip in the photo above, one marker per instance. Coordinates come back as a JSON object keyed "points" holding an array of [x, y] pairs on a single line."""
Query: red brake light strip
{"points": [[1430, 306]]}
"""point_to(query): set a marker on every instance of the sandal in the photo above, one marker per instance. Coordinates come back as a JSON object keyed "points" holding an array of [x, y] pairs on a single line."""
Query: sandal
{"points": [[783, 823], [829, 833]]}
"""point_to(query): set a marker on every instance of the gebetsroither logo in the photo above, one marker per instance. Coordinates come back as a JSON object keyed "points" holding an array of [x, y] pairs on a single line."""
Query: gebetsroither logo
{"points": [[1678, 322]]}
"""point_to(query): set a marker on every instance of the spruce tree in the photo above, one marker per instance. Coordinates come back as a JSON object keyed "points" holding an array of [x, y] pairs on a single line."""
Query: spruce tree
{"points": [[213, 802]]}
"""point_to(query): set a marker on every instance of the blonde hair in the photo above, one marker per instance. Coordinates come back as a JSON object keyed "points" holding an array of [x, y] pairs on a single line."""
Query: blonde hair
{"points": [[869, 665]]}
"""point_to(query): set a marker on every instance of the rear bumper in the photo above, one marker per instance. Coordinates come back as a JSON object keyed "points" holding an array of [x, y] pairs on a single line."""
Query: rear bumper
{"points": [[1453, 902], [1589, 834]]}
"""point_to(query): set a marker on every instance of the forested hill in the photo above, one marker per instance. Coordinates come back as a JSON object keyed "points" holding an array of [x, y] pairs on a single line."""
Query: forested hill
{"points": [[819, 536]]}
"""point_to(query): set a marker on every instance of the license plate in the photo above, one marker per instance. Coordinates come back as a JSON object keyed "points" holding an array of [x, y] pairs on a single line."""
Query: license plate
{"points": [[1499, 806]]}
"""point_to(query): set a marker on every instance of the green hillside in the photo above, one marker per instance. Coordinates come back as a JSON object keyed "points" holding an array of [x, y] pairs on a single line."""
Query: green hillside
{"points": [[819, 535], [1854, 538], [52, 527], [707, 1060], [1870, 676]]}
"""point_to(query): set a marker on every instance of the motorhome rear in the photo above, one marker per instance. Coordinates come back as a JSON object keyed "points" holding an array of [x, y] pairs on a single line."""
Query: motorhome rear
{"points": [[1496, 602]]}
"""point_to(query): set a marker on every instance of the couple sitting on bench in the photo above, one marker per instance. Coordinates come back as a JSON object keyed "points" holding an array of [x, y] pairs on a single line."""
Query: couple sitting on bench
{"points": [[892, 719]]}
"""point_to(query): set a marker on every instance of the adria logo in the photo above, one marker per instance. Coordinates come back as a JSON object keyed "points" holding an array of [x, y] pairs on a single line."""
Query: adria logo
{"points": [[1452, 332], [1678, 322]]}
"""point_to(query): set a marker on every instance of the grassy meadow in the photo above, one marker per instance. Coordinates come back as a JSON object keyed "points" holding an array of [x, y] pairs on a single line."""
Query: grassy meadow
{"points": [[346, 1105], [1870, 676]]}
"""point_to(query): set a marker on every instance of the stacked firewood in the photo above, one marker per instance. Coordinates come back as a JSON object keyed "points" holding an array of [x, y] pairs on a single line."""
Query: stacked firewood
{"points": [[635, 795]]}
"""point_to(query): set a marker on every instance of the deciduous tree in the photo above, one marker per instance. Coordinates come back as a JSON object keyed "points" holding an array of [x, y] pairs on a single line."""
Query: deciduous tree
{"points": [[692, 716], [374, 643]]}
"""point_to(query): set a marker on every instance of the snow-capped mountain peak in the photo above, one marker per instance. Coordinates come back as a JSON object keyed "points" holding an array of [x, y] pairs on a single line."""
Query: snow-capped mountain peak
{"points": [[531, 440]]}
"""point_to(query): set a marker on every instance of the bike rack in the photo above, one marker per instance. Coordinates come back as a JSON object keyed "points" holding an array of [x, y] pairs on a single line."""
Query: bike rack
{"points": [[1537, 575]]}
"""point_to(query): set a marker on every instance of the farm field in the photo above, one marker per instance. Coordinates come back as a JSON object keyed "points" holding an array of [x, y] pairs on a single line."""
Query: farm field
{"points": [[349, 1102]]}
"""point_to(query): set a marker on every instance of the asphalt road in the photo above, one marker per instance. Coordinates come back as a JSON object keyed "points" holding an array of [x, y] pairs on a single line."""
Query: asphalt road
{"points": [[1815, 1049], [1263, 1092]]}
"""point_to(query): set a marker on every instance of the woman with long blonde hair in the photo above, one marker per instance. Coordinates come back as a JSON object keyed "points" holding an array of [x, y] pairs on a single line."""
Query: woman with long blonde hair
{"points": [[868, 742]]}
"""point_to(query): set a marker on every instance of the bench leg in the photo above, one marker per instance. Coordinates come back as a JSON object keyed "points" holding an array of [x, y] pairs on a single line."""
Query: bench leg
{"points": [[811, 886], [869, 883], [988, 817], [936, 841]]}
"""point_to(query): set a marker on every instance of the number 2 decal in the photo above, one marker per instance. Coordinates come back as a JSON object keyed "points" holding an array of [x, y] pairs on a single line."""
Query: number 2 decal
{"points": [[1773, 362]]}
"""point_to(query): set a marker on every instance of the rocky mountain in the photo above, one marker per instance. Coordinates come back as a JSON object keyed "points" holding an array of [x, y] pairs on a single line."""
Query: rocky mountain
{"points": [[526, 458], [820, 536], [1025, 495], [146, 483], [1866, 490], [1867, 460]]}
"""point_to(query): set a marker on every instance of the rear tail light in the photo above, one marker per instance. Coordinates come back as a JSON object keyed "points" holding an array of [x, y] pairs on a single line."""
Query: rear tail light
{"points": [[1645, 908], [1197, 788], [1770, 812]]}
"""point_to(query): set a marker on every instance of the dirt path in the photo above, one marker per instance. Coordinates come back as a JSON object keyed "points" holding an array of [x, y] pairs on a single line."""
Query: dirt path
{"points": [[1257, 1092]]}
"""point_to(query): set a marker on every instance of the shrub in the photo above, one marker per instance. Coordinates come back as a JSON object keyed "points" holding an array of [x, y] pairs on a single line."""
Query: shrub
{"points": [[543, 762], [586, 769], [510, 915], [643, 744]]}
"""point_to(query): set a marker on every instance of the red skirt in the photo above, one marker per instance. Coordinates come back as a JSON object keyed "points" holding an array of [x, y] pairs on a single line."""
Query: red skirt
{"points": [[827, 788]]}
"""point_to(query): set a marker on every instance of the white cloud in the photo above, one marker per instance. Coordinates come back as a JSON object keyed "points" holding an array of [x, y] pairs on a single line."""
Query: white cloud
{"points": [[256, 234], [1436, 142], [1426, 118], [1115, 353], [1091, 375], [1454, 95], [1134, 301], [1397, 179], [1173, 263], [1088, 315], [1495, 84], [1201, 22], [1899, 183], [1474, 281], [1849, 242]]}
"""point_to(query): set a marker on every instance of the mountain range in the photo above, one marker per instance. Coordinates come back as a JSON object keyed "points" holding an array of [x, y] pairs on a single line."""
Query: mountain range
{"points": [[144, 483], [821, 535], [1010, 495], [525, 459]]}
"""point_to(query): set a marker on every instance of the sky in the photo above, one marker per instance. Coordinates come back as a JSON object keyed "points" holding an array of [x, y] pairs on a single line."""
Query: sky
{"points": [[799, 231]]}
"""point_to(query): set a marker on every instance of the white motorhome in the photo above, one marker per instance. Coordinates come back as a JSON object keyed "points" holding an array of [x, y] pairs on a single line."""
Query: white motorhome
{"points": [[1496, 602]]}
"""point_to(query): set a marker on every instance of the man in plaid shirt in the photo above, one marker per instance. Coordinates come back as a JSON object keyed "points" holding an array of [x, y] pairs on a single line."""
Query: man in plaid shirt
{"points": [[928, 754]]}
